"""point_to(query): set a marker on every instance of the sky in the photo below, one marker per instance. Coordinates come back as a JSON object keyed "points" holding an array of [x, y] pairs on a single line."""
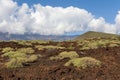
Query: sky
{"points": [[59, 17], [105, 8]]}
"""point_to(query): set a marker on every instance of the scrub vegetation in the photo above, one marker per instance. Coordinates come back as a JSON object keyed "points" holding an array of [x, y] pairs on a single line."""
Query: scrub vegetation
{"points": [[94, 57]]}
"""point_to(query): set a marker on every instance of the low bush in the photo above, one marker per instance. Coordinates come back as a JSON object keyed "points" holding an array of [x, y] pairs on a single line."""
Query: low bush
{"points": [[84, 62], [39, 42], [101, 44], [32, 58], [41, 47], [7, 49], [85, 48], [13, 54], [65, 54], [23, 42], [113, 45], [26, 50], [16, 59], [15, 62]]}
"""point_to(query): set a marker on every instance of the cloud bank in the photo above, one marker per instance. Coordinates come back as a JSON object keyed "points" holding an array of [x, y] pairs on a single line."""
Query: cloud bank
{"points": [[48, 20]]}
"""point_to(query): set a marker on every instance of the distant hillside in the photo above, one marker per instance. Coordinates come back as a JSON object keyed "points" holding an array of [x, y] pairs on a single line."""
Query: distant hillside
{"points": [[92, 34], [6, 36]]}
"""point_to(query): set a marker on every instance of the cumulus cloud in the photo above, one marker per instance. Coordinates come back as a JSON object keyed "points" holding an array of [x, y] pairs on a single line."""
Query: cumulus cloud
{"points": [[100, 25], [117, 25], [48, 20]]}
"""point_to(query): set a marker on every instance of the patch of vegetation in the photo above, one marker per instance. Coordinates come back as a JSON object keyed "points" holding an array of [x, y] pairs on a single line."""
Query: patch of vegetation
{"points": [[17, 58], [15, 62], [32, 58], [85, 48], [84, 62], [101, 44], [26, 50], [94, 40], [94, 44], [7, 49], [65, 54], [23, 42], [39, 42], [71, 46], [14, 54], [113, 45], [41, 47]]}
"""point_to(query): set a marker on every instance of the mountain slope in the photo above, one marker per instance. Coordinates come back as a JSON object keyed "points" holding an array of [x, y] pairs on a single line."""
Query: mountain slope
{"points": [[93, 34]]}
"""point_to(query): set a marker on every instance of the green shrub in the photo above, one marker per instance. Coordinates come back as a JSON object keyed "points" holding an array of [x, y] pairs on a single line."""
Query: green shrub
{"points": [[113, 45], [41, 47], [23, 42], [17, 58], [71, 46], [14, 54], [93, 45], [85, 48], [8, 54], [83, 62], [65, 54], [15, 62], [39, 41], [26, 50], [53, 47], [7, 49], [101, 43], [32, 58]]}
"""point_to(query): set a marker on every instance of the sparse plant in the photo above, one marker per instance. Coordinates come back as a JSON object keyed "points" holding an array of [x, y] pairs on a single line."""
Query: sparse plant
{"points": [[26, 50], [65, 54], [15, 62], [7, 49], [23, 42], [84, 62], [32, 58], [16, 59], [39, 41], [14, 54], [85, 48], [101, 43], [41, 47], [113, 45]]}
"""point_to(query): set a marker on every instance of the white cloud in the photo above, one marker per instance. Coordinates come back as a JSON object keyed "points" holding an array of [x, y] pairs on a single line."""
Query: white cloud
{"points": [[117, 20], [49, 20], [7, 7], [58, 20], [100, 25]]}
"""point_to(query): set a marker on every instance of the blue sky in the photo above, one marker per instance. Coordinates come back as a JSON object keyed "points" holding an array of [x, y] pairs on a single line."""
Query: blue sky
{"points": [[105, 8]]}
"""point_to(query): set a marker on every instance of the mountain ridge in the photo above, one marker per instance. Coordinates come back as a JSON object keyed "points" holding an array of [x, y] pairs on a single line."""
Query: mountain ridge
{"points": [[7, 36], [89, 34], [93, 34]]}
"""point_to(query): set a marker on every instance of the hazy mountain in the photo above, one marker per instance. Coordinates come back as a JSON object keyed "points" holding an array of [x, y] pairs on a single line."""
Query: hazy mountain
{"points": [[6, 36]]}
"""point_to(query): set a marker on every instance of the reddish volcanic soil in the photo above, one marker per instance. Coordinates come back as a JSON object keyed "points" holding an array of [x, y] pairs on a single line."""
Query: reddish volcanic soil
{"points": [[45, 69]]}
